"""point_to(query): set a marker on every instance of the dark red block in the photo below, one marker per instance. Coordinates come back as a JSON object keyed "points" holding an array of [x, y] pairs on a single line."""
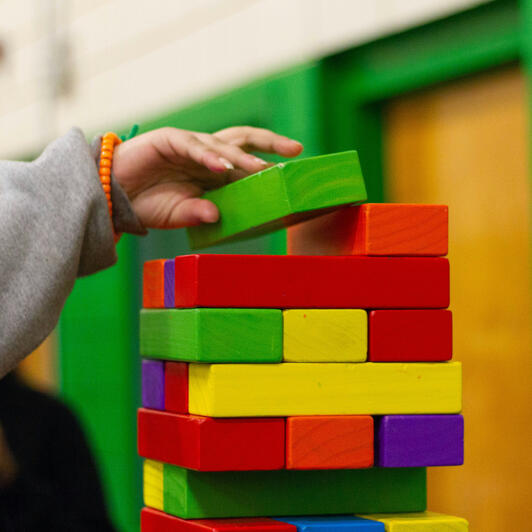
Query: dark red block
{"points": [[155, 521], [410, 335], [211, 444], [176, 387], [279, 281]]}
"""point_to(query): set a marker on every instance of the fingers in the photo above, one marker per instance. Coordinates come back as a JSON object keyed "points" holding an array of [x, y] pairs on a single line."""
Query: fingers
{"points": [[192, 211], [186, 144], [172, 205], [259, 139], [233, 153]]}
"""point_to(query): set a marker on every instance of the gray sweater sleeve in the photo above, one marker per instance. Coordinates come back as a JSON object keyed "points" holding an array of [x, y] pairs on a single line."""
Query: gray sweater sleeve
{"points": [[54, 227]]}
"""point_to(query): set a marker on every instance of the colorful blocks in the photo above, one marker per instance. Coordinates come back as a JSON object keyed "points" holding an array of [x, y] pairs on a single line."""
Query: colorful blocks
{"points": [[280, 196], [212, 335], [374, 229], [316, 335], [410, 335], [329, 442], [333, 523], [155, 521], [421, 522], [416, 441], [198, 494], [207, 444], [153, 284], [276, 281], [176, 387], [153, 384], [244, 390]]}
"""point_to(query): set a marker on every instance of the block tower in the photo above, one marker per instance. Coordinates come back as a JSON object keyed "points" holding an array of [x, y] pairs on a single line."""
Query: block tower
{"points": [[305, 392]]}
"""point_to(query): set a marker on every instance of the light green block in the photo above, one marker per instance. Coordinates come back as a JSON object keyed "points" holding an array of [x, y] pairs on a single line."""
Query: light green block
{"points": [[212, 335], [282, 195], [197, 494]]}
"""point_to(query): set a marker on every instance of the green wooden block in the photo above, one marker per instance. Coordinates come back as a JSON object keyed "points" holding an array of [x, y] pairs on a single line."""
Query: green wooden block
{"points": [[193, 494], [282, 195], [212, 334]]}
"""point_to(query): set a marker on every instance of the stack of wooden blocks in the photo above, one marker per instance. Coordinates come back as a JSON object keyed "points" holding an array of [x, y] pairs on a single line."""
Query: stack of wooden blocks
{"points": [[302, 392]]}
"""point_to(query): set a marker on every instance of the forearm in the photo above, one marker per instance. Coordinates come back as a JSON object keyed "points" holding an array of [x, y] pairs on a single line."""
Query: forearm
{"points": [[54, 227]]}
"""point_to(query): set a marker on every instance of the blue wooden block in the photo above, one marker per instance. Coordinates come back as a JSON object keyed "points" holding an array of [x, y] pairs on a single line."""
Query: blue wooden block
{"points": [[333, 523]]}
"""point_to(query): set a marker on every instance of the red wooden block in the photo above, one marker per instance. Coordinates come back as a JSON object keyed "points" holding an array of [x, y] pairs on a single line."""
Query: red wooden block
{"points": [[153, 284], [374, 229], [210, 444], [410, 335], [176, 387], [329, 442], [277, 281], [155, 521]]}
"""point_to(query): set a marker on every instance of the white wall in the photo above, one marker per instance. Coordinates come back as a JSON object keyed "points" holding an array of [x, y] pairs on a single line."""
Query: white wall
{"points": [[99, 63]]}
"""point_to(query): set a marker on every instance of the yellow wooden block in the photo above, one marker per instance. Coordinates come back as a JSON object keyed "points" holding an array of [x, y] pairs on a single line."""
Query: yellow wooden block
{"points": [[420, 522], [153, 484], [288, 389], [319, 335]]}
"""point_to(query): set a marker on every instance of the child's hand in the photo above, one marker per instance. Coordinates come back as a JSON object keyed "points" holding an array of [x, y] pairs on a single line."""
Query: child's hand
{"points": [[165, 171]]}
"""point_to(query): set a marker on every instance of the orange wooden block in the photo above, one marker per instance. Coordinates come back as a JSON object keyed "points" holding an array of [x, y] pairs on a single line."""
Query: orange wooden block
{"points": [[374, 229], [153, 284], [329, 442]]}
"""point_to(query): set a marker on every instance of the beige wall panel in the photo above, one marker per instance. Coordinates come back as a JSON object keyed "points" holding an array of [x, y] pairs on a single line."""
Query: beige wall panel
{"points": [[103, 63], [466, 144]]}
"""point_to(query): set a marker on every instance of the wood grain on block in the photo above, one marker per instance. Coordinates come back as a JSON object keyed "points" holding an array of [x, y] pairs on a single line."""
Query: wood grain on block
{"points": [[176, 387], [155, 521], [421, 522], [277, 281], [193, 494], [325, 335], [333, 523], [384, 229], [153, 284], [419, 441], [288, 389], [208, 444], [280, 196], [329, 442], [410, 335], [169, 289], [153, 384], [212, 334]]}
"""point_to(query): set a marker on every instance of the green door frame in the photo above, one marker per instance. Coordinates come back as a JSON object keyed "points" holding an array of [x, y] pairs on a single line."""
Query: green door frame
{"points": [[330, 105], [361, 80]]}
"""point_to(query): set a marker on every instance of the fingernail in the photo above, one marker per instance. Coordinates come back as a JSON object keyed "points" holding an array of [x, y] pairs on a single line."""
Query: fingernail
{"points": [[226, 163], [260, 161], [293, 141]]}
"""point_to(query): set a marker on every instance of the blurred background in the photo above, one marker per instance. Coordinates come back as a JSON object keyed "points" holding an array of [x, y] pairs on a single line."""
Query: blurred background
{"points": [[434, 95]]}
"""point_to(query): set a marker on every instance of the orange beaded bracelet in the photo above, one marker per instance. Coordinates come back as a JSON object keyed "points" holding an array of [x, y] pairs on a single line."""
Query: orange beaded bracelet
{"points": [[109, 141]]}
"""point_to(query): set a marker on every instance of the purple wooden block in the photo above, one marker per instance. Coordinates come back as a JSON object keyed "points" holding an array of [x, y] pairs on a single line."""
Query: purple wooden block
{"points": [[419, 441], [169, 277], [153, 384]]}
